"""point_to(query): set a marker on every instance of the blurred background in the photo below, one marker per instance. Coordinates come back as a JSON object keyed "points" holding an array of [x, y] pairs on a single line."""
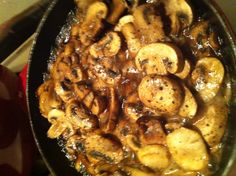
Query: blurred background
{"points": [[18, 22]]}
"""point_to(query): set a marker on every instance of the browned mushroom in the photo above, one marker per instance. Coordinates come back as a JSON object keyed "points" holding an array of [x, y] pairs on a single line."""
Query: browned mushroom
{"points": [[180, 14], [108, 46], [161, 93], [203, 40], [48, 99], [109, 117], [122, 21], [132, 40], [188, 149], [105, 69], [207, 77], [117, 8], [148, 23], [103, 148], [189, 107], [159, 58], [186, 70], [81, 89], [56, 129], [64, 90], [155, 157], [151, 131], [212, 121], [77, 115], [92, 24]]}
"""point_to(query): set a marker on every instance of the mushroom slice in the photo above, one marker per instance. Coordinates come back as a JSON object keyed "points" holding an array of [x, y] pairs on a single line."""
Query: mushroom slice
{"points": [[56, 129], [203, 39], [56, 115], [108, 46], [117, 8], [207, 77], [160, 93], [106, 70], [122, 21], [133, 142], [75, 74], [98, 106], [92, 24], [48, 99], [154, 156], [64, 90], [108, 118], [180, 13], [81, 90], [186, 70], [159, 58], [189, 106], [148, 23], [131, 38], [79, 116], [151, 131], [212, 121], [88, 100], [133, 110], [108, 150], [188, 149]]}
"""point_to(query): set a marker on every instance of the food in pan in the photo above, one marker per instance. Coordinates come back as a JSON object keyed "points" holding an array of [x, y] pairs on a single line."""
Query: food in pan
{"points": [[138, 89]]}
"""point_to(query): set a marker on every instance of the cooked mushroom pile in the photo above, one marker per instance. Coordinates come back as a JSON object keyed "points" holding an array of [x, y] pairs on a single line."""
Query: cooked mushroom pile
{"points": [[139, 89]]}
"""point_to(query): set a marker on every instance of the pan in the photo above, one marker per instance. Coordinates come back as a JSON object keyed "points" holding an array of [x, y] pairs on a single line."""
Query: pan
{"points": [[46, 34]]}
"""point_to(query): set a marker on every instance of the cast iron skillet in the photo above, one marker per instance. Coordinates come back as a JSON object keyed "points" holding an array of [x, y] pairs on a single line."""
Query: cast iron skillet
{"points": [[47, 31]]}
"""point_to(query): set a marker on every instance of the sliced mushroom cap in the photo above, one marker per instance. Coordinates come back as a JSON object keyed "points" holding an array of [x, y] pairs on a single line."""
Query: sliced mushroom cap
{"points": [[212, 121], [133, 111], [132, 40], [108, 46], [189, 107], [103, 148], [88, 100], [75, 74], [124, 20], [207, 77], [117, 8], [203, 39], [81, 89], [148, 23], [109, 117], [99, 105], [159, 58], [161, 93], [48, 99], [106, 70], [64, 90], [188, 149], [56, 115], [180, 13], [151, 131], [92, 24], [56, 129], [79, 116], [67, 67], [154, 156], [186, 70]]}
